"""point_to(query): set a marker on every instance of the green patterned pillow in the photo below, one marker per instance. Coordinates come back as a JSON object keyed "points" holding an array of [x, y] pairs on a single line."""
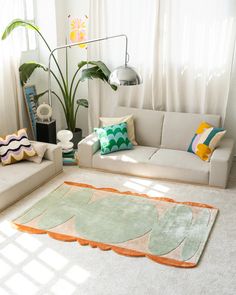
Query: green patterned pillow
{"points": [[113, 138]]}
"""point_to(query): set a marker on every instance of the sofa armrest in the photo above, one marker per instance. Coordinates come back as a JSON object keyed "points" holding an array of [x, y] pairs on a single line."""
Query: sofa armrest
{"points": [[221, 162], [54, 153], [86, 148]]}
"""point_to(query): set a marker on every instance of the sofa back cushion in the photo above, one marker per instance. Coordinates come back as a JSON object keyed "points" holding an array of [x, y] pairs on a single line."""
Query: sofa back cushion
{"points": [[147, 125], [179, 128]]}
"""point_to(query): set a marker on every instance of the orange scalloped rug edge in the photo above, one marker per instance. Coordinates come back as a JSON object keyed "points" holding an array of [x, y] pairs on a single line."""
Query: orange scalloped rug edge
{"points": [[108, 189], [104, 247]]}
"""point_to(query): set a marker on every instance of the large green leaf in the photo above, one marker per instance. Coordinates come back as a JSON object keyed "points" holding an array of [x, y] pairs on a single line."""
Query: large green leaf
{"points": [[65, 208], [18, 23], [170, 230], [37, 96], [115, 219], [98, 71], [63, 196], [196, 235], [101, 66], [82, 102], [44, 204], [55, 216], [82, 64], [27, 69], [93, 73]]}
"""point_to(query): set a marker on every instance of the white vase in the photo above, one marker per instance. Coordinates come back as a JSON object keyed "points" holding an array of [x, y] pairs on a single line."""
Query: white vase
{"points": [[64, 137]]}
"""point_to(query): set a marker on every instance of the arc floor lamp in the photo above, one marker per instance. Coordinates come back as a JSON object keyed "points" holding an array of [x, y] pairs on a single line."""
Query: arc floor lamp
{"points": [[121, 76]]}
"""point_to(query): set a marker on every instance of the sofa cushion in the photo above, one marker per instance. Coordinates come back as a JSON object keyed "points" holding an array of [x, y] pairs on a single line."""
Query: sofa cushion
{"points": [[147, 124], [179, 128], [22, 178], [180, 165], [133, 161], [40, 148], [155, 163]]}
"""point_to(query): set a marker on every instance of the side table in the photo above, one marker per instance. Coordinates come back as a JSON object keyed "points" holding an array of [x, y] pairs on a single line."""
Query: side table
{"points": [[46, 131]]}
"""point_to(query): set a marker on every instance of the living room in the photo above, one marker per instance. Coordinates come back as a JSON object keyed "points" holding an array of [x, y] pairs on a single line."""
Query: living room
{"points": [[117, 147]]}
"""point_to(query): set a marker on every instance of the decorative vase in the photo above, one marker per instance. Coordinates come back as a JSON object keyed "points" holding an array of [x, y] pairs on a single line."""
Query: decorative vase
{"points": [[77, 137], [65, 140]]}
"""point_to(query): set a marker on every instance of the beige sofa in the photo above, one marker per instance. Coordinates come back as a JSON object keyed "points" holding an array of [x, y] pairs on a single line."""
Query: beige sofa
{"points": [[18, 180], [163, 139]]}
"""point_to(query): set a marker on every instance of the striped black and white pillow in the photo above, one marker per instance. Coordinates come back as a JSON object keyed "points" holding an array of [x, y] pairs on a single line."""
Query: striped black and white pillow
{"points": [[15, 147]]}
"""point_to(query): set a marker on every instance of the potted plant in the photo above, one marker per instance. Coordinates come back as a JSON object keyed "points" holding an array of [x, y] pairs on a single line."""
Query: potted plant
{"points": [[68, 87]]}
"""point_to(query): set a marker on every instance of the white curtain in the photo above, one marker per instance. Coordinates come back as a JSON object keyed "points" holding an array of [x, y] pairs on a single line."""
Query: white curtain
{"points": [[183, 50], [11, 102]]}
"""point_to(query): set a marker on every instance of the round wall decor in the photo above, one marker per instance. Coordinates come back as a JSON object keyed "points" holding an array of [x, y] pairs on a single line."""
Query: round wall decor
{"points": [[44, 112]]}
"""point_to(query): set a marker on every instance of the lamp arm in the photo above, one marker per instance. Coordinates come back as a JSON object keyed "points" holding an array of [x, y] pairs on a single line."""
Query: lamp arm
{"points": [[76, 44]]}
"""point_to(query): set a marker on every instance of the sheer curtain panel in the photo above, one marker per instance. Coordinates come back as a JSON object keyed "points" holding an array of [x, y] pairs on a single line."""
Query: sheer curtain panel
{"points": [[183, 50], [11, 103]]}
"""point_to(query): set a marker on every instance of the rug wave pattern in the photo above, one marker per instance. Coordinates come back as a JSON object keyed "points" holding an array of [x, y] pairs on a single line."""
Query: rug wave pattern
{"points": [[161, 229]]}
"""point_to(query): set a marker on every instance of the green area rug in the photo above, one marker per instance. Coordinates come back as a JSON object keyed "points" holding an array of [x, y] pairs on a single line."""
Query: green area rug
{"points": [[166, 231]]}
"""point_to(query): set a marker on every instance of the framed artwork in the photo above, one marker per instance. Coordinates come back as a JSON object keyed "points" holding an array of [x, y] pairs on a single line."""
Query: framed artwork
{"points": [[31, 104]]}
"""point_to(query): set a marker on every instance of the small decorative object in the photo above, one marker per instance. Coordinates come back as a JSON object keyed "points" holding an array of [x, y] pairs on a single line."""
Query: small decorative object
{"points": [[31, 104], [44, 112], [70, 159], [64, 136], [78, 30]]}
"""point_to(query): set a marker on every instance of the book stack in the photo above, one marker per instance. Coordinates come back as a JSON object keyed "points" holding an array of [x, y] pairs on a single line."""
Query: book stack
{"points": [[69, 158]]}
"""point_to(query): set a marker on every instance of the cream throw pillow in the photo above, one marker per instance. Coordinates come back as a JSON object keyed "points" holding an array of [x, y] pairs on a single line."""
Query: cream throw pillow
{"points": [[127, 119], [40, 149]]}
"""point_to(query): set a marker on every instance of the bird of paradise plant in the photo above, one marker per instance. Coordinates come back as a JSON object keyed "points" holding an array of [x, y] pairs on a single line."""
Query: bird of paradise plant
{"points": [[68, 87]]}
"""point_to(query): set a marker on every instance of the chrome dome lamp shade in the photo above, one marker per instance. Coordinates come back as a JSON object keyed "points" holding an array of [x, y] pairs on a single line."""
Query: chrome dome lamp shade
{"points": [[125, 76]]}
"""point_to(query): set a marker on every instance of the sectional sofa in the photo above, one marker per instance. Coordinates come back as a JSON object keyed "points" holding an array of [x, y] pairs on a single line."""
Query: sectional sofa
{"points": [[163, 139], [19, 179]]}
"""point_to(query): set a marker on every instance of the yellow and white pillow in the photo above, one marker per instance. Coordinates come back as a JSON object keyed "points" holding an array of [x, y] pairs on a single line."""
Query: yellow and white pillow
{"points": [[15, 147], [105, 121], [205, 140]]}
